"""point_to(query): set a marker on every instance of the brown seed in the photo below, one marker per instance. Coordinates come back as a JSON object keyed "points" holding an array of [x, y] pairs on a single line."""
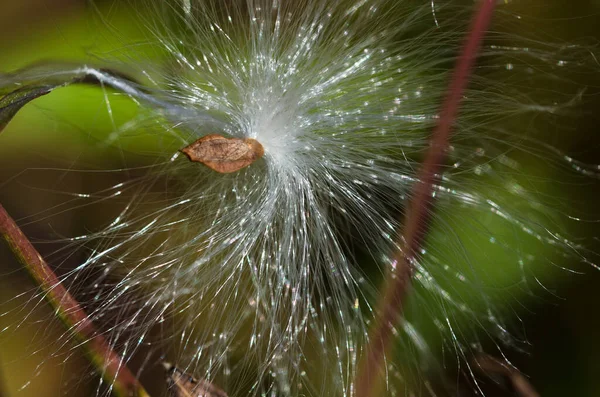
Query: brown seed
{"points": [[224, 154], [184, 385]]}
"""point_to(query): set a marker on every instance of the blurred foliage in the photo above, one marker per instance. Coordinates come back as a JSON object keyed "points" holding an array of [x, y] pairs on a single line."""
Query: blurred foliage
{"points": [[565, 352]]}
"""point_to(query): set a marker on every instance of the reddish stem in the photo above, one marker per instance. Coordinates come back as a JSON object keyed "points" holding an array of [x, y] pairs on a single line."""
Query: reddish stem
{"points": [[371, 371], [107, 362]]}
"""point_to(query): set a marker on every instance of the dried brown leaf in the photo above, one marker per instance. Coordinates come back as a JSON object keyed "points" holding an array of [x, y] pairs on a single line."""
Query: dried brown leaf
{"points": [[182, 384], [224, 155]]}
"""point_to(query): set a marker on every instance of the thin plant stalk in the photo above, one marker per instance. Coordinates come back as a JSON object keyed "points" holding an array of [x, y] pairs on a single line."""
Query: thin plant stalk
{"points": [[3, 389], [371, 371], [106, 361]]}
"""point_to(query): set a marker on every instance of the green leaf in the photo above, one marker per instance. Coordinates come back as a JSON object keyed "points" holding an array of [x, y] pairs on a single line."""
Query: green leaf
{"points": [[11, 103], [20, 88]]}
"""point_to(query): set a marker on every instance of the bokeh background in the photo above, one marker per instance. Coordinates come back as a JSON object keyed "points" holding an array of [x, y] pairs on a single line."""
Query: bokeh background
{"points": [[563, 357]]}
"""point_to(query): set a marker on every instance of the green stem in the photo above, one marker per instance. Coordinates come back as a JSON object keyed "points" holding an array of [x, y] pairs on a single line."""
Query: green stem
{"points": [[106, 361]]}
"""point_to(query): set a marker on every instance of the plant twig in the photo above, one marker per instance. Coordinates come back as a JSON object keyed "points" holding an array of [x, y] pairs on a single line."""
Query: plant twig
{"points": [[3, 388], [490, 365], [106, 361], [371, 370]]}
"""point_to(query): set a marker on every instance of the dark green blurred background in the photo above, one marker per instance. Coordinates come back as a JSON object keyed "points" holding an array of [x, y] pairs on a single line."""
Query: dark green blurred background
{"points": [[564, 354]]}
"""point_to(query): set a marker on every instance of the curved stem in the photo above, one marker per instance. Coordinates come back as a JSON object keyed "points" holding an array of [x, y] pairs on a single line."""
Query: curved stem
{"points": [[106, 361], [371, 371]]}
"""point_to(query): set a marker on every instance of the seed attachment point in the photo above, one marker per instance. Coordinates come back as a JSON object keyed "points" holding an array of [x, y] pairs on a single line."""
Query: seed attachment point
{"points": [[224, 155]]}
